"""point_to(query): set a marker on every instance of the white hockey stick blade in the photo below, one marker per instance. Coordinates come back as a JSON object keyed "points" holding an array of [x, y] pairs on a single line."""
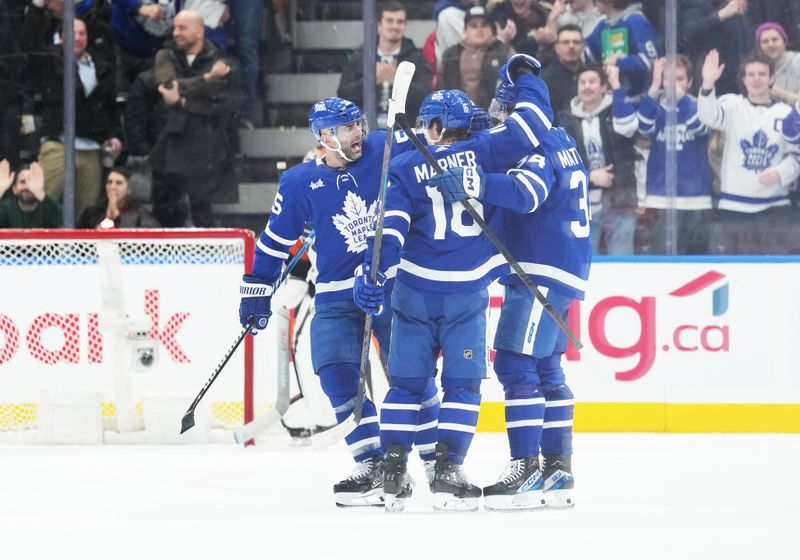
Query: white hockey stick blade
{"points": [[402, 83], [250, 430], [334, 435]]}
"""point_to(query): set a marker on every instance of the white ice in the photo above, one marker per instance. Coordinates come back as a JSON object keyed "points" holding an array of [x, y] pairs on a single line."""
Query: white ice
{"points": [[649, 496]]}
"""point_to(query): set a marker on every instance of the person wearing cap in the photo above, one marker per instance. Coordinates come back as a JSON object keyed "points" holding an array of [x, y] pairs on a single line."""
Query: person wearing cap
{"points": [[771, 40], [472, 65]]}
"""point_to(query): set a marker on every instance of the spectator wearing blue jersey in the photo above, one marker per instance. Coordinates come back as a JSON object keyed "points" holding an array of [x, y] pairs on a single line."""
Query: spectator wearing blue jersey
{"points": [[336, 194], [603, 127], [694, 181], [626, 39], [140, 28], [547, 229], [444, 264]]}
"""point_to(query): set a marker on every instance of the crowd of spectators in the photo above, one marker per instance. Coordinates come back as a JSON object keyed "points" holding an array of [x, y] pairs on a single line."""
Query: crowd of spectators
{"points": [[188, 70]]}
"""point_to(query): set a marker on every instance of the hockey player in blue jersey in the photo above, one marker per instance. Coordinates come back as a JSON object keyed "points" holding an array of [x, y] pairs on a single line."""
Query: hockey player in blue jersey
{"points": [[336, 195], [444, 264], [547, 229]]}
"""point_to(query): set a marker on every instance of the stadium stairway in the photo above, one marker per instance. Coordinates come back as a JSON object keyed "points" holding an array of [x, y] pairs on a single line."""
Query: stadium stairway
{"points": [[323, 33]]}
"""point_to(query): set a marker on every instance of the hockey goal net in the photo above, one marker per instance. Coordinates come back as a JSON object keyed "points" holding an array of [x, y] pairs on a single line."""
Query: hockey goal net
{"points": [[122, 314]]}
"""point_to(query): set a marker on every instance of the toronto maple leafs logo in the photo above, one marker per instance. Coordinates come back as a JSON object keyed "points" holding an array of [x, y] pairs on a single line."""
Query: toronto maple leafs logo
{"points": [[758, 154], [316, 184], [356, 222]]}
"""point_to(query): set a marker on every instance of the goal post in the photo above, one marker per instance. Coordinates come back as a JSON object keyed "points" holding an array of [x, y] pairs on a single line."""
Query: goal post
{"points": [[124, 314]]}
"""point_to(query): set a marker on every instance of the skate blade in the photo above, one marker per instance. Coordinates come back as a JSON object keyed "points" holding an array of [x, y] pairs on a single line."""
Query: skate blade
{"points": [[373, 498], [526, 501], [393, 503], [450, 503], [559, 499]]}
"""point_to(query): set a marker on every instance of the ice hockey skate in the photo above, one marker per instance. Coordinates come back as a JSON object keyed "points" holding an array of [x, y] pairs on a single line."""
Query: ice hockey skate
{"points": [[558, 481], [363, 487], [518, 488], [451, 489], [397, 484]]}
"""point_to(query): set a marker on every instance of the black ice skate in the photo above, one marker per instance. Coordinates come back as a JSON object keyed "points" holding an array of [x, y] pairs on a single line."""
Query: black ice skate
{"points": [[519, 487], [451, 489], [558, 481], [363, 487], [397, 484]]}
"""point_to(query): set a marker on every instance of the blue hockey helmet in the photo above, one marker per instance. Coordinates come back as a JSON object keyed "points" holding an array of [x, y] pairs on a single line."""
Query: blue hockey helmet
{"points": [[452, 108], [505, 98], [332, 112]]}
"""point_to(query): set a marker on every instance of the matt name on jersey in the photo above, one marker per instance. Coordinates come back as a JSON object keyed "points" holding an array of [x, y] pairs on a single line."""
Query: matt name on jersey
{"points": [[466, 158], [569, 157]]}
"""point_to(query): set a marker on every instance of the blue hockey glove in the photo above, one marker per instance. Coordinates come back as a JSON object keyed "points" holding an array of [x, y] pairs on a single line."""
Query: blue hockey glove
{"points": [[255, 303], [459, 183], [368, 296], [480, 119], [517, 65]]}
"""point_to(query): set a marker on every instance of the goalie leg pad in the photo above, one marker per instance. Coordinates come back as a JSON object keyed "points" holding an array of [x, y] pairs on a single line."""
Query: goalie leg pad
{"points": [[340, 384]]}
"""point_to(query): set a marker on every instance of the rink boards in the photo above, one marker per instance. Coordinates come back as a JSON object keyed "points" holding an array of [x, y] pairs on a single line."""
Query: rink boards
{"points": [[682, 345]]}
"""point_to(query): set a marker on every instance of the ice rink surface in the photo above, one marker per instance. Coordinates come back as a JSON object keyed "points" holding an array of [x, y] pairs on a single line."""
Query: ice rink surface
{"points": [[638, 496]]}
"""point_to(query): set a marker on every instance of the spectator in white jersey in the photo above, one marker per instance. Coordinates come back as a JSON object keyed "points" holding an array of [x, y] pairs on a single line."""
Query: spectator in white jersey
{"points": [[758, 163]]}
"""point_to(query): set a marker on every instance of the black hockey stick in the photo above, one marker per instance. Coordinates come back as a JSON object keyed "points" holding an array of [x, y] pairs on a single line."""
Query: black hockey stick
{"points": [[397, 106], [187, 422], [540, 297]]}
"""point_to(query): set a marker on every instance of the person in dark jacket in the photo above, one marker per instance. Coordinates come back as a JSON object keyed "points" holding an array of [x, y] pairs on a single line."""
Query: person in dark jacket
{"points": [[561, 75], [95, 125], [393, 48], [194, 152], [118, 206], [28, 206], [522, 24], [140, 28], [472, 65], [721, 25], [604, 141]]}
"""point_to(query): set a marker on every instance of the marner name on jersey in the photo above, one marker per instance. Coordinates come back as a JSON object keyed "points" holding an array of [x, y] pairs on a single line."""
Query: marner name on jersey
{"points": [[466, 158]]}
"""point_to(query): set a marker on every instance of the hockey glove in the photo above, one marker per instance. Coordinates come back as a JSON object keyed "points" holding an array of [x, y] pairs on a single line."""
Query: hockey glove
{"points": [[517, 65], [480, 119], [255, 303], [368, 297], [459, 183]]}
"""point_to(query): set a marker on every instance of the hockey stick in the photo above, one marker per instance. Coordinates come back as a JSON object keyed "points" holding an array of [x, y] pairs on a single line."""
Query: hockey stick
{"points": [[187, 422], [540, 297], [397, 106]]}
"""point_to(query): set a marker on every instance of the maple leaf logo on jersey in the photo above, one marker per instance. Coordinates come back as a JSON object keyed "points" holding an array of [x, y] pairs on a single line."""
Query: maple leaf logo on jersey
{"points": [[316, 184], [759, 154], [356, 222]]}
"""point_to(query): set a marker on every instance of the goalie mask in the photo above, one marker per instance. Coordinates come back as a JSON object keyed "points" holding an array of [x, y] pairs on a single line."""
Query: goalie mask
{"points": [[343, 122], [452, 108]]}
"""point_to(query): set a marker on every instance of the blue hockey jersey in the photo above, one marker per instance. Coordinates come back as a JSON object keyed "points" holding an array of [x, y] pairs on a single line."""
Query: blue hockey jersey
{"points": [[339, 204], [694, 173], [549, 233], [791, 126], [437, 246], [636, 67]]}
